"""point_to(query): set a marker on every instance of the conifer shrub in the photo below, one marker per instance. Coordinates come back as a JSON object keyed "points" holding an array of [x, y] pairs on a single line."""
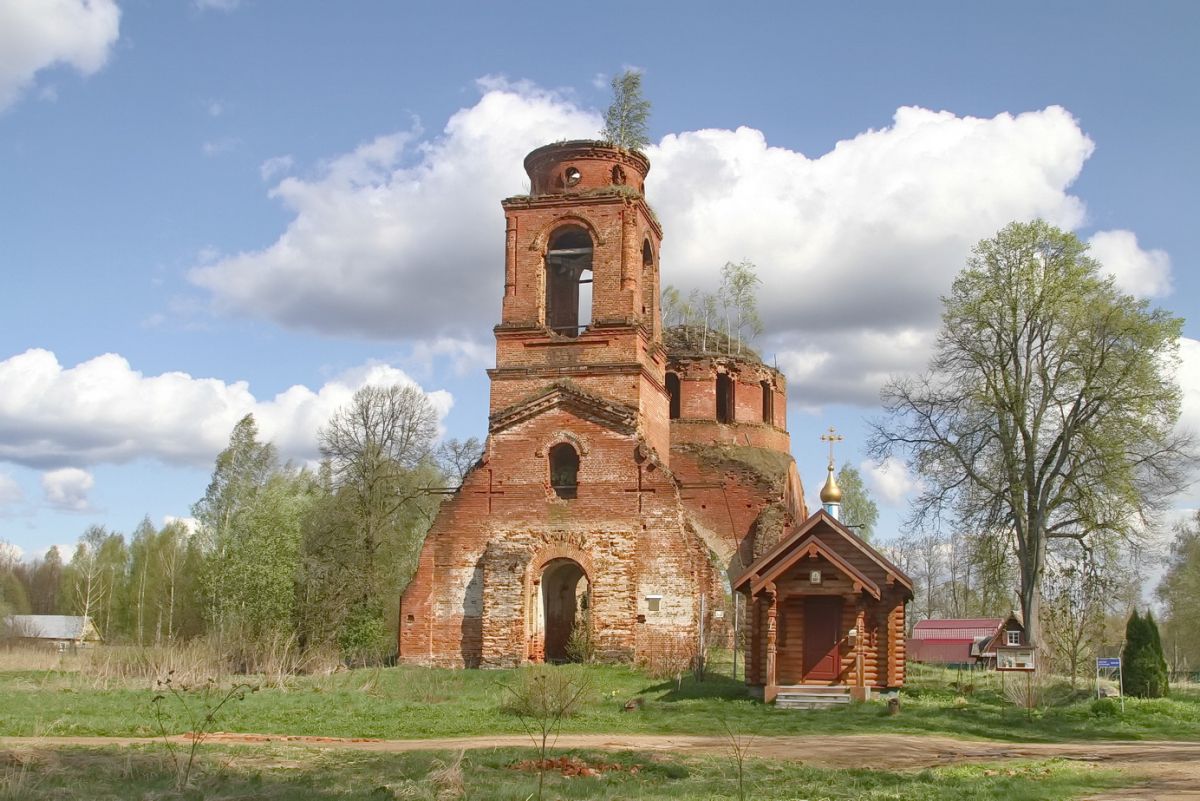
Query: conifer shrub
{"points": [[1143, 665]]}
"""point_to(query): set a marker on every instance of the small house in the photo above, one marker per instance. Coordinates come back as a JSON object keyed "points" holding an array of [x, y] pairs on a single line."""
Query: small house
{"points": [[52, 631], [965, 642]]}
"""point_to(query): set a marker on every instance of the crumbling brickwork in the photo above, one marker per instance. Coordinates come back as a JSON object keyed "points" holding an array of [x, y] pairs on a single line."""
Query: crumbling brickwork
{"points": [[591, 508]]}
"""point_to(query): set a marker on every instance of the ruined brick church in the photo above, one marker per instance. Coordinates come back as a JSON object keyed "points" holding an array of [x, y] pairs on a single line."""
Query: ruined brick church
{"points": [[625, 479]]}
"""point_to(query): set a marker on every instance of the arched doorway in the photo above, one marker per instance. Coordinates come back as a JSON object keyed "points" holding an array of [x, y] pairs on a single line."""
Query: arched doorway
{"points": [[564, 591]]}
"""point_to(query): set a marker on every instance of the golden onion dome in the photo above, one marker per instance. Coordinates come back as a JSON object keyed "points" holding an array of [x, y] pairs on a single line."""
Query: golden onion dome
{"points": [[831, 492]]}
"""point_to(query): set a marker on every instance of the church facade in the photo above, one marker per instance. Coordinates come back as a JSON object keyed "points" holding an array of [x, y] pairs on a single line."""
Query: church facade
{"points": [[620, 482], [626, 477]]}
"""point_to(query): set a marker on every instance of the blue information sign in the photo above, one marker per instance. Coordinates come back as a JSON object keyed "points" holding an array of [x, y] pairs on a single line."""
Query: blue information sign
{"points": [[1110, 662]]}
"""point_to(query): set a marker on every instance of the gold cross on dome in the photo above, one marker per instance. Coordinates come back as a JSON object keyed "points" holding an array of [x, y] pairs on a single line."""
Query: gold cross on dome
{"points": [[831, 437]]}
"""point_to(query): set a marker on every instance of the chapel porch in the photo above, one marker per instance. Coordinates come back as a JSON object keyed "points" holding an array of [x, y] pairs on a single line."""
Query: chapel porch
{"points": [[826, 616]]}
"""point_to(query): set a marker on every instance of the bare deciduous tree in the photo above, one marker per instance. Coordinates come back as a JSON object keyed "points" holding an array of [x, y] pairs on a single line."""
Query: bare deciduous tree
{"points": [[1049, 407], [378, 450]]}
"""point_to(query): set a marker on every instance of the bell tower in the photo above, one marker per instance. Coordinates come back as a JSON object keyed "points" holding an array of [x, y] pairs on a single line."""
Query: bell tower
{"points": [[581, 287]]}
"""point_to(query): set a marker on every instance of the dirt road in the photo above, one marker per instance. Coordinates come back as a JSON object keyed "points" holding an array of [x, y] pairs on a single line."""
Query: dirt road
{"points": [[1171, 769]]}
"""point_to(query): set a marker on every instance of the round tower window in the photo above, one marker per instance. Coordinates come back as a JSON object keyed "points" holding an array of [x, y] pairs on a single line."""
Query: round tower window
{"points": [[572, 175]]}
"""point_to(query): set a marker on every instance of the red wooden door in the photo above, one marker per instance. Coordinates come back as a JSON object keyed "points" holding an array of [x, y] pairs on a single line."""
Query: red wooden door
{"points": [[822, 631]]}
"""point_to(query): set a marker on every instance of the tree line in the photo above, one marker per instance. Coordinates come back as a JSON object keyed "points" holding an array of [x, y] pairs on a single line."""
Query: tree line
{"points": [[311, 556]]}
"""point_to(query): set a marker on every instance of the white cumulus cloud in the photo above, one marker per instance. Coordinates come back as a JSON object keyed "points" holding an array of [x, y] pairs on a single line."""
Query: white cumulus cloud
{"points": [[402, 238], [190, 524], [67, 488], [1144, 273], [36, 34], [1188, 377], [104, 411], [891, 479], [10, 491], [275, 166]]}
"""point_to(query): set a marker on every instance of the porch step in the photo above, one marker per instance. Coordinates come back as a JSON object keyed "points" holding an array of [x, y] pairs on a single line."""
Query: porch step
{"points": [[805, 697]]}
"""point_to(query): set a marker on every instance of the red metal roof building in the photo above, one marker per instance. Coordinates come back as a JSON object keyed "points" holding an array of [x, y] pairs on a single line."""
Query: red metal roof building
{"points": [[952, 642]]}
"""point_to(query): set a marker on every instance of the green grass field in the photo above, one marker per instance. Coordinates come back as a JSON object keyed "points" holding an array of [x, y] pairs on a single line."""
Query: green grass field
{"points": [[405, 702], [267, 774], [60, 698]]}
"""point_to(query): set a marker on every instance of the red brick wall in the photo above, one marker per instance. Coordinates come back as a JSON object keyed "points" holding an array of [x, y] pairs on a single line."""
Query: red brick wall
{"points": [[633, 530]]}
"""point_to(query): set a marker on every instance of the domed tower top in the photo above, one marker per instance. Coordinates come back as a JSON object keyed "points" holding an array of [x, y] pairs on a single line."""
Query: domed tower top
{"points": [[831, 493], [584, 165]]}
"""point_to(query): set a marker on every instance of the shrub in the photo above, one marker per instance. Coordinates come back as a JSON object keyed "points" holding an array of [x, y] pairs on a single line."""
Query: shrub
{"points": [[1104, 708], [580, 647], [363, 638]]}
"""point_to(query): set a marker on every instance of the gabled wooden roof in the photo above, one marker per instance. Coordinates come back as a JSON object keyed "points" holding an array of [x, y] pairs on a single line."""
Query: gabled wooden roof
{"points": [[807, 539], [812, 545], [616, 416]]}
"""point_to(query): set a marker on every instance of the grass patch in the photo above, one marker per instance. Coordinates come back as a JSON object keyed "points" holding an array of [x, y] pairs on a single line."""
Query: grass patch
{"points": [[312, 775], [409, 702]]}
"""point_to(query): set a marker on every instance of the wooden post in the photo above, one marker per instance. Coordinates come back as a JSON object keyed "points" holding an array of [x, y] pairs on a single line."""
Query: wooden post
{"points": [[860, 622], [771, 687]]}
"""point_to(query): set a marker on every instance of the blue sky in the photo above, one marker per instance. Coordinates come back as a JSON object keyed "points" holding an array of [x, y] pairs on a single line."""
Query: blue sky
{"points": [[216, 207]]}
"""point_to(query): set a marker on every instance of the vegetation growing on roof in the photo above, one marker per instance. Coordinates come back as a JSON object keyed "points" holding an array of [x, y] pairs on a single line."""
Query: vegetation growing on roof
{"points": [[770, 466], [721, 322], [627, 115]]}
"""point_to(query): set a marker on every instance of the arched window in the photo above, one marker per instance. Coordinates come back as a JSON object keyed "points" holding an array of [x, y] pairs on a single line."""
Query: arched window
{"points": [[649, 290], [725, 398], [768, 402], [569, 281], [673, 392], [564, 470]]}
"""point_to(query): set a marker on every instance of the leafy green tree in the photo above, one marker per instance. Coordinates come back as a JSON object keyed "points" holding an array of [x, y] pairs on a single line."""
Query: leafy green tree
{"points": [[241, 471], [859, 511], [144, 580], [627, 116], [264, 561], [45, 584], [724, 321], [112, 558], [1049, 407], [739, 302], [13, 598], [1179, 591], [366, 534]]}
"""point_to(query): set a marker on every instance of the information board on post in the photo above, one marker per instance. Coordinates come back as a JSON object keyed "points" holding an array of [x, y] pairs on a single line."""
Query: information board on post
{"points": [[1108, 664]]}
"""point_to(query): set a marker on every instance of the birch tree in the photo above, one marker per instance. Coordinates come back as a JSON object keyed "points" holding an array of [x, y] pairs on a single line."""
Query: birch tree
{"points": [[627, 116]]}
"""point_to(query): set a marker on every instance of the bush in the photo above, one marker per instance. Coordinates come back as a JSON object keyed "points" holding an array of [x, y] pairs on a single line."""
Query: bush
{"points": [[363, 638], [1104, 708]]}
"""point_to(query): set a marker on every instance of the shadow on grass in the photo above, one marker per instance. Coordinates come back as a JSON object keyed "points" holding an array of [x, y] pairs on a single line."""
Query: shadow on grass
{"points": [[713, 686]]}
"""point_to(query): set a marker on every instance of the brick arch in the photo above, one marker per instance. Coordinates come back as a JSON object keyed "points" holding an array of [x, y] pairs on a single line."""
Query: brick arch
{"points": [[580, 443], [559, 550], [547, 554], [543, 236], [537, 563], [648, 242]]}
